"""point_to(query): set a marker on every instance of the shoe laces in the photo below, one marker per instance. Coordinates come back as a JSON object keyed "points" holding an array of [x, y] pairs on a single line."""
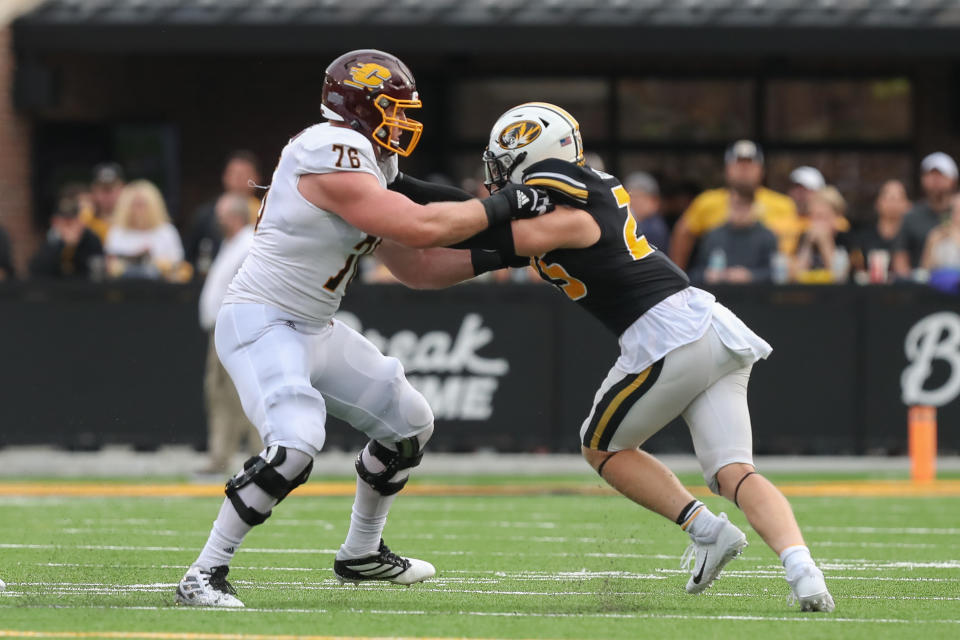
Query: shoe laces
{"points": [[218, 580], [389, 556]]}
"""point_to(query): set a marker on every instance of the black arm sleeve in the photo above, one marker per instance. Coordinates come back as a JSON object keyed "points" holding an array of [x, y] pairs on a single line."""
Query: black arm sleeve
{"points": [[423, 192]]}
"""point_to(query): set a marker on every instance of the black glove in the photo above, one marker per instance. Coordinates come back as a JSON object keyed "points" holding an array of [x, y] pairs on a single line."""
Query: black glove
{"points": [[516, 201]]}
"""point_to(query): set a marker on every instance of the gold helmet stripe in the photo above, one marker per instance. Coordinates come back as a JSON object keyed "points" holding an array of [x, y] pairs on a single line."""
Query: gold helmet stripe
{"points": [[563, 113], [552, 107]]}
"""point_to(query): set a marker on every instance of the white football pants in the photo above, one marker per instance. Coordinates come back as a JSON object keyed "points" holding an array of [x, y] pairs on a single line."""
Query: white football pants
{"points": [[703, 381], [290, 373]]}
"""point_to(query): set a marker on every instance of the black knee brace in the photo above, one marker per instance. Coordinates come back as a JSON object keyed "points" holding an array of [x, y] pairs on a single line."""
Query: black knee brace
{"points": [[262, 472], [407, 455]]}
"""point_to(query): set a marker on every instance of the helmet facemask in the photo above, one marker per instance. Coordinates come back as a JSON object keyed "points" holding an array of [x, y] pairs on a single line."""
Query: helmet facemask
{"points": [[397, 133], [497, 169]]}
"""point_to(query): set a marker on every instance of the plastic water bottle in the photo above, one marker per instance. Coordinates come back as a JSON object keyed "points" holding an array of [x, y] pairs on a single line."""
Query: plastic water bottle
{"points": [[841, 265], [204, 256], [779, 268], [717, 260]]}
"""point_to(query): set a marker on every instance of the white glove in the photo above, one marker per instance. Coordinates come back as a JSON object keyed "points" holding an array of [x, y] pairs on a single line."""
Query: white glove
{"points": [[388, 167]]}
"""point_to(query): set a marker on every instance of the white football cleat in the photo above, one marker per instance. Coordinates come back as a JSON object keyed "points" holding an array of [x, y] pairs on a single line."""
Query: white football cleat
{"points": [[383, 565], [202, 588], [710, 554], [808, 587]]}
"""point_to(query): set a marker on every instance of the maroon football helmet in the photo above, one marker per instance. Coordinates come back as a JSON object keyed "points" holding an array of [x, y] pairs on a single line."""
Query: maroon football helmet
{"points": [[370, 91]]}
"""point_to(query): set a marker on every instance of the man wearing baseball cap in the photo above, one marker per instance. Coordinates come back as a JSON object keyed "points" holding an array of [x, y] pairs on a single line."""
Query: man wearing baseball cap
{"points": [[105, 188], [804, 181], [744, 173], [938, 178]]}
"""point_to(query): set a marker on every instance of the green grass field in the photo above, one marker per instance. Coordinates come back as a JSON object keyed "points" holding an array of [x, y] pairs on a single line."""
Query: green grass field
{"points": [[546, 561]]}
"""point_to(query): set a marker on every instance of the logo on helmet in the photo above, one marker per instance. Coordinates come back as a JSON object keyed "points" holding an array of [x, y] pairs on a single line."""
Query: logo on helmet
{"points": [[519, 134], [368, 75]]}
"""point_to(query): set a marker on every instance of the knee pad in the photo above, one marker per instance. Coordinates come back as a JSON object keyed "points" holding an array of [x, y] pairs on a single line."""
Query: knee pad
{"points": [[409, 453], [262, 471]]}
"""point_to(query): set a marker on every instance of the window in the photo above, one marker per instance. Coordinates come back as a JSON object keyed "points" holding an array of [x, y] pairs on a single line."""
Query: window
{"points": [[478, 103], [841, 110], [689, 110]]}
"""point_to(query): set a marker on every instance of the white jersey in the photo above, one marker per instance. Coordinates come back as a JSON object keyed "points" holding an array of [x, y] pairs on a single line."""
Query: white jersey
{"points": [[302, 256]]}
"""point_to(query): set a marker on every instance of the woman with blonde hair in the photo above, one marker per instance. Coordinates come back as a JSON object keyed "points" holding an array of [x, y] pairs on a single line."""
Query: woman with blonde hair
{"points": [[816, 259], [142, 242]]}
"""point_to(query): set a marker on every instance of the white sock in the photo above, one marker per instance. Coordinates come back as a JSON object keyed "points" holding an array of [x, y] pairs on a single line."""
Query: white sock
{"points": [[702, 524], [229, 529], [367, 521], [369, 515], [220, 548], [795, 556]]}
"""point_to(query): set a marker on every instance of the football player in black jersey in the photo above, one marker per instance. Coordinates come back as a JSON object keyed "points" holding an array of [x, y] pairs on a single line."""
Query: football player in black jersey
{"points": [[682, 352]]}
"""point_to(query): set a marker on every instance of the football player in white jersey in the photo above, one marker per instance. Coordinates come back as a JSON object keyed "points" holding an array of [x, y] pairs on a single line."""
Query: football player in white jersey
{"points": [[682, 352], [291, 362]]}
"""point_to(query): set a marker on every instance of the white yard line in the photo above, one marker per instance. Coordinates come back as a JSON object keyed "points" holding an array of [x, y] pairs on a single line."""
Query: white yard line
{"points": [[901, 531]]}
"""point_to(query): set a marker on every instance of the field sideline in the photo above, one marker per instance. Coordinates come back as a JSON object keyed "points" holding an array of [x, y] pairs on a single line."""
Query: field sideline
{"points": [[517, 557]]}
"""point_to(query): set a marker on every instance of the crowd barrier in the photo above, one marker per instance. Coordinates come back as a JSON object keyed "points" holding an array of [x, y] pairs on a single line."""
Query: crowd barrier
{"points": [[508, 367]]}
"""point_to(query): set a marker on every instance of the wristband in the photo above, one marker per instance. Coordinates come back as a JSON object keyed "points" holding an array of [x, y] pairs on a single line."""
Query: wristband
{"points": [[497, 208]]}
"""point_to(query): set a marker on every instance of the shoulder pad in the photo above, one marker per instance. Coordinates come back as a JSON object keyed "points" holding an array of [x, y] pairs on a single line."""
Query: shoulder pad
{"points": [[559, 176], [326, 149]]}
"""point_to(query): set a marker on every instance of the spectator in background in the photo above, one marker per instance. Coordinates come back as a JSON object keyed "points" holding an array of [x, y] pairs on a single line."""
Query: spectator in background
{"points": [[240, 175], [803, 182], [645, 206], [744, 173], [890, 207], [97, 211], [822, 248], [227, 425], [740, 251], [941, 255], [70, 249], [141, 242], [593, 160], [6, 257], [675, 198], [938, 180]]}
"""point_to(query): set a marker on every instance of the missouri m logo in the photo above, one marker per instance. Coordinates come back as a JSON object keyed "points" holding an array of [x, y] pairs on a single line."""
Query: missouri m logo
{"points": [[519, 134], [368, 75]]}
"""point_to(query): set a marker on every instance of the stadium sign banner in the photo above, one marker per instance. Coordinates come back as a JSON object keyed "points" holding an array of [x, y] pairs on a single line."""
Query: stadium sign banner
{"points": [[936, 337], [482, 362], [505, 367]]}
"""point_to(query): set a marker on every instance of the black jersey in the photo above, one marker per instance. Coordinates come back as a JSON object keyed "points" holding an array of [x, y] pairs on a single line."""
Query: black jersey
{"points": [[621, 276]]}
